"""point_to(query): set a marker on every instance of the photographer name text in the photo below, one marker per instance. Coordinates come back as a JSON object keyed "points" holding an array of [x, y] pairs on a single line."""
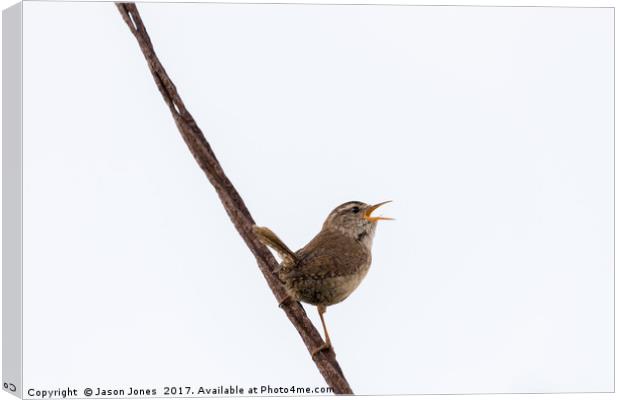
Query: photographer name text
{"points": [[172, 391]]}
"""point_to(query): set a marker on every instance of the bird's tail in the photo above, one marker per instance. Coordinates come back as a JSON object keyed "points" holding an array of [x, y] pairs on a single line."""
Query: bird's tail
{"points": [[268, 238]]}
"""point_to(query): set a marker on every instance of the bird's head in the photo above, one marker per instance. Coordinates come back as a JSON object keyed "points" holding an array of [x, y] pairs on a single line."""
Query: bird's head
{"points": [[355, 220]]}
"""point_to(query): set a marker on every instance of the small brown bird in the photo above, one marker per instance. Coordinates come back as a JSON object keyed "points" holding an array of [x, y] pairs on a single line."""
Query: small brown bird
{"points": [[331, 266]]}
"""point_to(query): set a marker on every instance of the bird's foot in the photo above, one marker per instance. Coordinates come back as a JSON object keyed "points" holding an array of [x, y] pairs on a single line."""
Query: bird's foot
{"points": [[285, 300], [323, 347]]}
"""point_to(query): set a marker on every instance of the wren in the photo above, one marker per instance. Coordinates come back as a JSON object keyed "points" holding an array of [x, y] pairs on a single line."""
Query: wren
{"points": [[332, 265]]}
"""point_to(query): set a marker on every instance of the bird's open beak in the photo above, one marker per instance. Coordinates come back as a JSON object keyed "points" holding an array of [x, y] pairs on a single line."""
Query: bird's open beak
{"points": [[370, 209]]}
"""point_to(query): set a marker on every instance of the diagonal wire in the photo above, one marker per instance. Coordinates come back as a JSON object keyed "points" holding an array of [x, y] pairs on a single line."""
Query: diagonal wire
{"points": [[232, 202]]}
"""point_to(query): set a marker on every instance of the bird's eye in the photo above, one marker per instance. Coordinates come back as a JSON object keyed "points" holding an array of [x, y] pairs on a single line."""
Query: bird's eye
{"points": [[355, 209]]}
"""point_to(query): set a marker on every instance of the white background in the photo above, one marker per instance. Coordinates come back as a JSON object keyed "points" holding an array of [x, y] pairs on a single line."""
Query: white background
{"points": [[497, 275]]}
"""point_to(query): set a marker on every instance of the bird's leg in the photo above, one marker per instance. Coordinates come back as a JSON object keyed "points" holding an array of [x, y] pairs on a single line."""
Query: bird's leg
{"points": [[321, 310], [328, 344]]}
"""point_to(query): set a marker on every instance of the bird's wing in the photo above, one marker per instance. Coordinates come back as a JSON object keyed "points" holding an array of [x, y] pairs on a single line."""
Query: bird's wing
{"points": [[333, 254]]}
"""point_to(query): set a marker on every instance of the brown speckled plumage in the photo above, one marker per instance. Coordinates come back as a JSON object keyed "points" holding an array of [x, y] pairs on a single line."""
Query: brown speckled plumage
{"points": [[333, 264], [327, 269]]}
